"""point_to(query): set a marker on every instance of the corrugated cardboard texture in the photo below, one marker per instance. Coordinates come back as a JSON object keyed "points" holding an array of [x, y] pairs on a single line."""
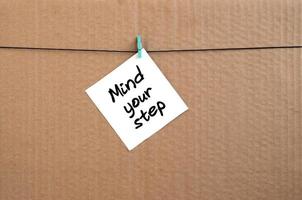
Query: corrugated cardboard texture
{"points": [[164, 24], [240, 139]]}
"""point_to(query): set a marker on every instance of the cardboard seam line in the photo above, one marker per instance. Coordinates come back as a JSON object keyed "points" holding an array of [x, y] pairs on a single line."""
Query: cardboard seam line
{"points": [[161, 50]]}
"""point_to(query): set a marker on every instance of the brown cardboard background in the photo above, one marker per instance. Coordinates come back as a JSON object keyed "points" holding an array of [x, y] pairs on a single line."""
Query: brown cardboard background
{"points": [[240, 139], [164, 24]]}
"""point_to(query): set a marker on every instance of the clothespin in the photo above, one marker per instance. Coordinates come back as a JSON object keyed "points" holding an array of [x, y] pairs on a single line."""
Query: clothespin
{"points": [[139, 45]]}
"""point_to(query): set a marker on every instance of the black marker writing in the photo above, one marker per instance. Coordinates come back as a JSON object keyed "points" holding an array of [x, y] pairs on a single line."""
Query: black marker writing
{"points": [[122, 89], [143, 116], [129, 108], [146, 115]]}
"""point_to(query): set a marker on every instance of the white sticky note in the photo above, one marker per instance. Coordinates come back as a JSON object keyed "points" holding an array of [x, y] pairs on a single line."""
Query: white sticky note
{"points": [[136, 99]]}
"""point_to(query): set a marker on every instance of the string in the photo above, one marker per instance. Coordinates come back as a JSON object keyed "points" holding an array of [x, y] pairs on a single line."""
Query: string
{"points": [[155, 51]]}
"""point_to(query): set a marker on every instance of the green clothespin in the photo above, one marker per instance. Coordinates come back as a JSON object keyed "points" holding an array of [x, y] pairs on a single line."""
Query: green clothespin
{"points": [[139, 45]]}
